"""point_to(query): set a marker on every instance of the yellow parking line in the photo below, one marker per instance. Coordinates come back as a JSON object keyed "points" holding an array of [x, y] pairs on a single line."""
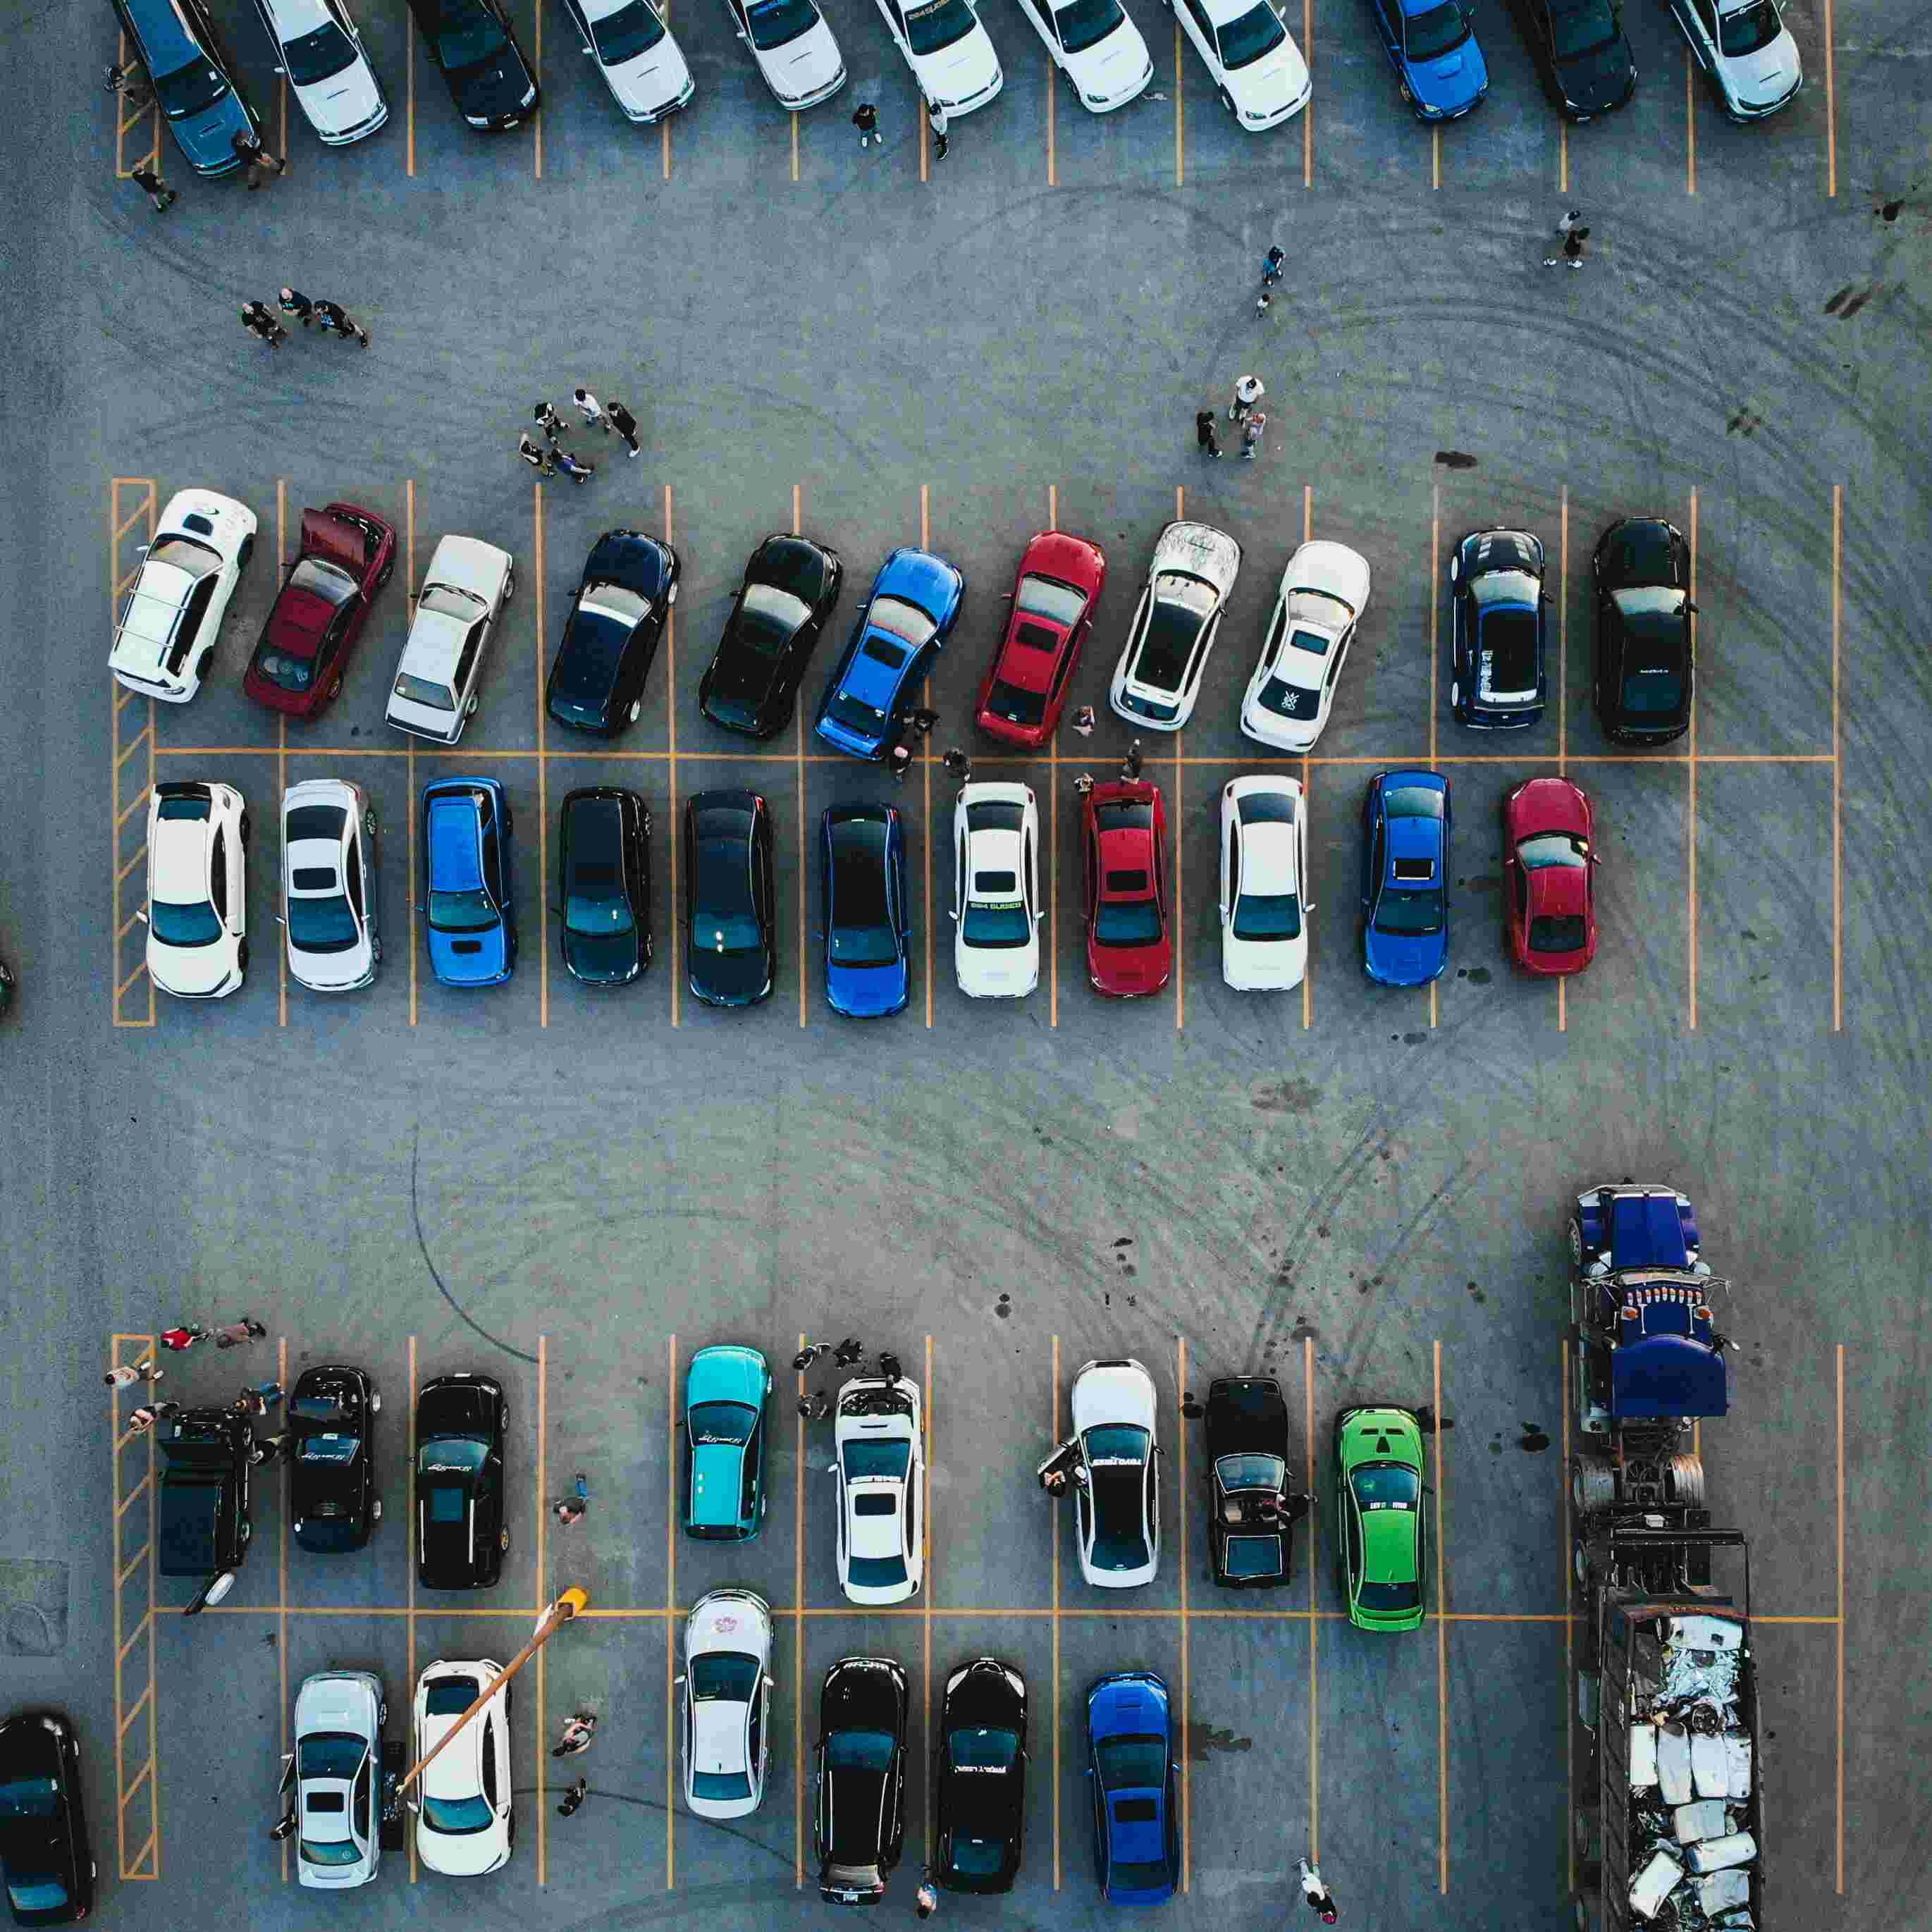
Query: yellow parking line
{"points": [[1052, 178], [1690, 125], [152, 1843], [1436, 153], [1830, 154], [794, 147], [134, 1709], [1563, 157], [1180, 117], [133, 743], [127, 812], [141, 1777]]}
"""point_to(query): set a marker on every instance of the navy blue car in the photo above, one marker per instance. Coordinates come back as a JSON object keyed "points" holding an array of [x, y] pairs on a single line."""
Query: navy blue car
{"points": [[915, 602], [194, 81], [1405, 823], [868, 926], [1499, 678], [611, 638], [1130, 1761], [1433, 50], [471, 927]]}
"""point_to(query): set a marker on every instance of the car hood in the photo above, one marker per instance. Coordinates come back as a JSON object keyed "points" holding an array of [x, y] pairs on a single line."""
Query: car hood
{"points": [[1593, 83], [344, 99], [1271, 83], [1768, 75], [192, 969], [1207, 552], [1258, 965], [804, 65], [867, 992], [962, 70], [1405, 958], [741, 682], [207, 139], [652, 81], [727, 1375], [1116, 66], [603, 958], [1455, 80], [1113, 1392], [469, 956], [732, 979], [494, 87]]}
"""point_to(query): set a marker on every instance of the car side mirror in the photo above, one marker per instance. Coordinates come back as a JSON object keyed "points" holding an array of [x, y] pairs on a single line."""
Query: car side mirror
{"points": [[142, 915], [1690, 607], [421, 907], [586, 50], [279, 70], [678, 1679], [1308, 905]]}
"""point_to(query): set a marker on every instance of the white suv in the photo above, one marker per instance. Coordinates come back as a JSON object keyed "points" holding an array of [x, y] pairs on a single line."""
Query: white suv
{"points": [[166, 629], [197, 910]]}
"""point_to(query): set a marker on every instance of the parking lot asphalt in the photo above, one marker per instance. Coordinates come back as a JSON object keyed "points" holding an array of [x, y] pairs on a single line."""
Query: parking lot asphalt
{"points": [[1361, 1191]]}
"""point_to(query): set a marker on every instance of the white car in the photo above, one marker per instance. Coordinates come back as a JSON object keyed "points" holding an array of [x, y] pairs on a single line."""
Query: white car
{"points": [[727, 1688], [197, 910], [951, 60], [165, 631], [1324, 592], [337, 1774], [643, 66], [463, 593], [1263, 876], [1097, 46], [317, 47], [1115, 1466], [1748, 51], [1159, 676], [1257, 69], [329, 885], [462, 1804], [996, 891], [881, 1457], [793, 48]]}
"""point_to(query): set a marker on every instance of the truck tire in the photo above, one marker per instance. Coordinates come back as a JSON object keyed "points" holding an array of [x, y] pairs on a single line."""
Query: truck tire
{"points": [[1580, 1567], [1589, 1910], [1575, 1243], [1593, 1486], [1684, 1479], [1586, 1828]]}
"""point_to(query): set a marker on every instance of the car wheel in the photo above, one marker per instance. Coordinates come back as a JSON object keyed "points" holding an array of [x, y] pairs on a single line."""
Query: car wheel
{"points": [[376, 959], [334, 690], [376, 1511], [502, 1539], [370, 825], [242, 556], [204, 663], [376, 1395], [243, 828], [242, 958], [636, 710], [509, 585], [1593, 1486]]}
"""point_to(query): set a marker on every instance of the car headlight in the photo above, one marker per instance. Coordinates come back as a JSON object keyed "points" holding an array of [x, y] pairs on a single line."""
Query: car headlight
{"points": [[530, 96], [1094, 100]]}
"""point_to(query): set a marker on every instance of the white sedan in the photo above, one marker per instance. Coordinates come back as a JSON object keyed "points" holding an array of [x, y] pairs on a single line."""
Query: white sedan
{"points": [[329, 885], [728, 1689], [1158, 678], [793, 47], [1257, 69], [996, 891], [165, 629], [1747, 50], [336, 1772], [463, 1827], [881, 1458], [1324, 592], [1097, 46], [197, 910], [1116, 1475], [951, 60], [1264, 873], [464, 590], [642, 65], [317, 47]]}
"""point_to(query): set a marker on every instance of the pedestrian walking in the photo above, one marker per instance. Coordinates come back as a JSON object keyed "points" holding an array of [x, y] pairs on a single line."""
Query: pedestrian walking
{"points": [[1130, 766], [575, 467], [1271, 265], [1083, 721], [626, 424], [1572, 256], [260, 323], [1054, 1482], [332, 317], [890, 1366], [573, 1799], [129, 1373], [935, 119], [865, 118], [926, 1901], [1205, 437], [898, 760], [847, 1355], [547, 420], [593, 410], [809, 1354], [1083, 784], [1570, 221], [183, 1337], [158, 193], [294, 303], [131, 84], [1261, 301], [1252, 427], [286, 1829], [920, 722], [535, 455], [956, 762], [567, 1512], [269, 1448], [142, 1419], [233, 1334], [256, 159], [815, 1407], [1248, 391], [1321, 1900], [577, 1732]]}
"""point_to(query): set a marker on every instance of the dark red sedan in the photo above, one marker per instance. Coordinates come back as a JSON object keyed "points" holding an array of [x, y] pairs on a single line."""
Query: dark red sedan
{"points": [[1549, 894], [1059, 584], [347, 555], [1123, 834]]}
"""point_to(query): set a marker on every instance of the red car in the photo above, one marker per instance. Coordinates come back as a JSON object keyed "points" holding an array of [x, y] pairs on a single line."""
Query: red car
{"points": [[1054, 595], [347, 555], [1550, 893], [1123, 833]]}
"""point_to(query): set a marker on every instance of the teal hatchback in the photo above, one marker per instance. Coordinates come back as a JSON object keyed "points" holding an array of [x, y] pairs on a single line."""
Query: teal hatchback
{"points": [[725, 1392]]}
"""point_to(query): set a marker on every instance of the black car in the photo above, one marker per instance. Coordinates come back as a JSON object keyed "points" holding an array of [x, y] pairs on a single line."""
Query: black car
{"points": [[1498, 679], [194, 82], [604, 870], [476, 53], [332, 1415], [204, 1498], [790, 592], [461, 1535], [1250, 1513], [611, 638], [859, 1825], [44, 1849], [1579, 48], [727, 898], [1645, 654], [979, 1777]]}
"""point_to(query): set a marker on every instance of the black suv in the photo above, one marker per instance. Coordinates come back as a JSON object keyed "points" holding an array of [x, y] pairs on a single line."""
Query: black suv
{"points": [[461, 1534], [478, 56], [195, 86], [332, 1415], [1645, 657], [603, 870], [979, 1777], [204, 1499], [860, 1824]]}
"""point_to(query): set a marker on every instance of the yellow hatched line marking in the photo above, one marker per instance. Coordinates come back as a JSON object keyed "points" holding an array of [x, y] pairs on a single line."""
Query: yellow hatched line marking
{"points": [[141, 1777], [150, 1843], [140, 1629], [135, 1709]]}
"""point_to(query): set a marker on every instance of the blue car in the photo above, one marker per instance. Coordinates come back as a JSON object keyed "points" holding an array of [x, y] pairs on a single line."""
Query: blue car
{"points": [[1130, 1761], [867, 928], [915, 601], [471, 919], [1433, 50], [1405, 877]]}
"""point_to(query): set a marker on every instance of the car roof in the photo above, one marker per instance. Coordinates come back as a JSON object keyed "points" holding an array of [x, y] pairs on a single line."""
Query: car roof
{"points": [[455, 842], [435, 641], [177, 859], [1388, 1546]]}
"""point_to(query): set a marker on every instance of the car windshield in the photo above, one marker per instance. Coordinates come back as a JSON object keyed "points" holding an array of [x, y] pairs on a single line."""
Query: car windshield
{"points": [[1046, 596], [329, 1851], [1180, 606], [1132, 1763], [1254, 1556], [1017, 707], [1749, 28], [430, 696], [1441, 30], [1082, 24], [1266, 916], [1557, 932], [329, 1754], [456, 1817], [713, 1423], [595, 905], [859, 1751], [1390, 1596], [29, 1797], [1405, 911], [624, 34], [35, 1891], [467, 34], [190, 90], [891, 613], [175, 925], [776, 22], [876, 1573], [864, 946], [324, 925], [1583, 28], [997, 921], [1551, 848], [724, 1677], [1386, 1486], [1412, 802], [876, 1459], [466, 911], [449, 1696], [1243, 41], [329, 1448], [983, 1749], [442, 1454], [1658, 691], [1288, 700], [295, 674], [770, 619], [1251, 1472], [1126, 923], [315, 56], [937, 25]]}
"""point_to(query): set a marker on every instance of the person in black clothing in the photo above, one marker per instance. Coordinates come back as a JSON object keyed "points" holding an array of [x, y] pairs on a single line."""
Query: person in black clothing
{"points": [[334, 318], [1271, 267], [1203, 432], [890, 1366], [1130, 766], [297, 305], [626, 424], [157, 191], [956, 762], [547, 419], [285, 1828], [848, 1352], [898, 760], [865, 118], [574, 1798], [920, 723], [256, 159], [815, 1407], [258, 322], [538, 458]]}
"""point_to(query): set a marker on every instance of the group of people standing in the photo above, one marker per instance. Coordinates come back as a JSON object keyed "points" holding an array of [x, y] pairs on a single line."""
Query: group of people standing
{"points": [[550, 456], [259, 320]]}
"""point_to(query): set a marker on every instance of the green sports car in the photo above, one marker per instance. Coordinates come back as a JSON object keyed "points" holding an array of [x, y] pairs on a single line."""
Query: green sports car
{"points": [[1380, 1523], [725, 1392]]}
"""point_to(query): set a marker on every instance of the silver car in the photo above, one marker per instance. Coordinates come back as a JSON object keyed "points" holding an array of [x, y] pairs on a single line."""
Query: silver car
{"points": [[1748, 51], [796, 54], [642, 64], [336, 1773], [464, 590], [1158, 678], [329, 886], [319, 50]]}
